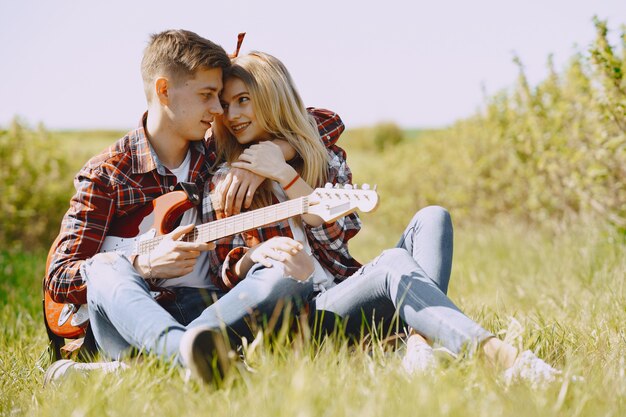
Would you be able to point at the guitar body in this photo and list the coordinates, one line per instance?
(160, 214)
(157, 217)
(54, 316)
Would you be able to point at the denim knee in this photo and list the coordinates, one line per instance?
(393, 255)
(106, 273)
(273, 280)
(434, 215)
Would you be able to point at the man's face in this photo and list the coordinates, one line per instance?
(239, 117)
(193, 103)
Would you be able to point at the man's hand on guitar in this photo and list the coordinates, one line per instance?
(172, 258)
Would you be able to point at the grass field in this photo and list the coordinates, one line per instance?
(566, 291)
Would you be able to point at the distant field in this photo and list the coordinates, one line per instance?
(81, 145)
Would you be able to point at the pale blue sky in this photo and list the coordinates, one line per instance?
(74, 64)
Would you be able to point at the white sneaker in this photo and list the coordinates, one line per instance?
(205, 353)
(419, 357)
(528, 367)
(64, 367)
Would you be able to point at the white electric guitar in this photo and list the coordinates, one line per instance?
(143, 231)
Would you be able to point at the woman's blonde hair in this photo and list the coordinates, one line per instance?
(280, 112)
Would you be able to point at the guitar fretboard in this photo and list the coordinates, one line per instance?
(229, 226)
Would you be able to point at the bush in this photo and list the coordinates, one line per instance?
(387, 135)
(381, 137)
(35, 185)
(551, 153)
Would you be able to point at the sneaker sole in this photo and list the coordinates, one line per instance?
(205, 353)
(57, 370)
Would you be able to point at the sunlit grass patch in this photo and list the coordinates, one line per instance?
(561, 296)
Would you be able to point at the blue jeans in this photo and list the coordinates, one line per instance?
(259, 296)
(429, 238)
(123, 315)
(409, 281)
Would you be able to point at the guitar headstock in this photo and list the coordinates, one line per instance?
(331, 203)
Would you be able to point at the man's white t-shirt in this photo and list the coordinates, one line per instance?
(199, 277)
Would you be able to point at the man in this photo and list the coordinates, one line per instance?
(182, 75)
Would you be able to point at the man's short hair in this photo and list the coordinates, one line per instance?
(179, 54)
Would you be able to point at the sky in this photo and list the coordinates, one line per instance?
(75, 64)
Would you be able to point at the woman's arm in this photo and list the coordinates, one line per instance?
(329, 241)
(266, 159)
(238, 188)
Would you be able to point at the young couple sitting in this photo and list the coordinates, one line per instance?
(266, 148)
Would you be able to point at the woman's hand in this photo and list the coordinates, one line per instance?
(298, 263)
(267, 160)
(277, 248)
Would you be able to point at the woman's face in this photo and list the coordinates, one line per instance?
(239, 117)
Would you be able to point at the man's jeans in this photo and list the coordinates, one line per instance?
(123, 314)
(411, 281)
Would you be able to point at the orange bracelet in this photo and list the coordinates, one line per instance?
(292, 182)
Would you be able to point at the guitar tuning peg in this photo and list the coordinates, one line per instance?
(375, 187)
(328, 185)
(347, 186)
(355, 186)
(338, 186)
(365, 187)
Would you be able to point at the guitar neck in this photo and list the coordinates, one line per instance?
(229, 226)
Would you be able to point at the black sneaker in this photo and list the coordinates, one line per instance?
(205, 353)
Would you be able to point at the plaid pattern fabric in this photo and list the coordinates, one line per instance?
(328, 241)
(109, 188)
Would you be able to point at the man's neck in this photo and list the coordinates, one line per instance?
(170, 148)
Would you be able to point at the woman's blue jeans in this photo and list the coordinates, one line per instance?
(409, 281)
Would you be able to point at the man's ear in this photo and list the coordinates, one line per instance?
(161, 86)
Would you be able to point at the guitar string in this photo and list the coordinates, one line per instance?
(224, 227)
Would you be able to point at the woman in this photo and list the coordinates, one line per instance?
(261, 103)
